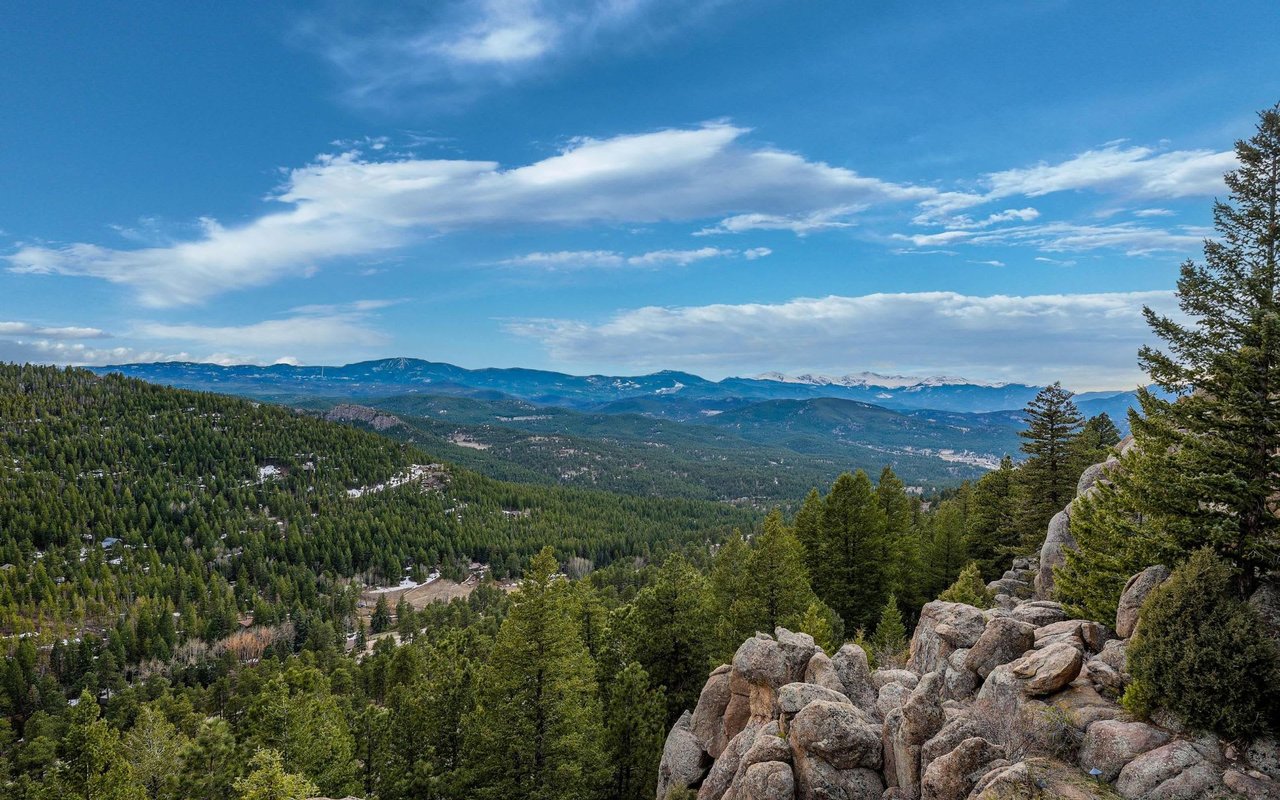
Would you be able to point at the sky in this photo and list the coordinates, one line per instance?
(992, 190)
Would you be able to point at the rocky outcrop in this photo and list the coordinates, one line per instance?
(1014, 701)
(1135, 591)
(953, 775)
(943, 628)
(683, 760)
(1111, 744)
(1003, 640)
(1180, 770)
(1053, 553)
(1046, 671)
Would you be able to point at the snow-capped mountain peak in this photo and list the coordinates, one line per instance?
(874, 379)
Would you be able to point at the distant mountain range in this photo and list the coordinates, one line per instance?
(670, 394)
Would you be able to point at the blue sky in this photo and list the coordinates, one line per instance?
(991, 189)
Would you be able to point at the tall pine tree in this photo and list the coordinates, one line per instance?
(853, 575)
(1048, 477)
(1206, 467)
(535, 731)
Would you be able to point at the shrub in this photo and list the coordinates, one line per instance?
(1201, 653)
(969, 589)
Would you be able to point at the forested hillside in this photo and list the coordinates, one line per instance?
(210, 637)
(118, 494)
(765, 454)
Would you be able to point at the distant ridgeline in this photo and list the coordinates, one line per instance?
(189, 510)
(754, 441)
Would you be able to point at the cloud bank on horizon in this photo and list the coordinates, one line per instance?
(732, 246)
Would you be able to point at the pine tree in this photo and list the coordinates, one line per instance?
(1205, 468)
(890, 638)
(904, 544)
(1225, 364)
(270, 781)
(729, 597)
(381, 619)
(1048, 476)
(154, 747)
(668, 629)
(635, 716)
(808, 528)
(946, 549)
(992, 533)
(968, 589)
(208, 762)
(536, 731)
(778, 581)
(853, 575)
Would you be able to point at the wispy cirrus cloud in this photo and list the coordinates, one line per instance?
(305, 333)
(359, 204)
(1087, 340)
(352, 205)
(453, 50)
(11, 328)
(610, 259)
(1064, 237)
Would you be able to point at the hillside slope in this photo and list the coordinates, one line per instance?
(116, 494)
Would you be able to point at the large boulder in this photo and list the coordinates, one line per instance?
(707, 722)
(1092, 475)
(837, 752)
(1266, 600)
(768, 780)
(1002, 692)
(901, 758)
(1264, 755)
(1039, 613)
(725, 768)
(1053, 553)
(855, 675)
(953, 776)
(1135, 592)
(1251, 785)
(948, 739)
(822, 671)
(683, 761)
(794, 697)
(761, 660)
(1110, 744)
(797, 650)
(1180, 770)
(838, 733)
(768, 747)
(922, 714)
(1003, 640)
(881, 677)
(892, 695)
(1046, 671)
(943, 628)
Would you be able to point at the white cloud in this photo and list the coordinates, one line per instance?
(1130, 171)
(610, 259)
(60, 351)
(1153, 212)
(345, 205)
(51, 331)
(448, 50)
(989, 263)
(1059, 237)
(799, 224)
(1087, 340)
(315, 330)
